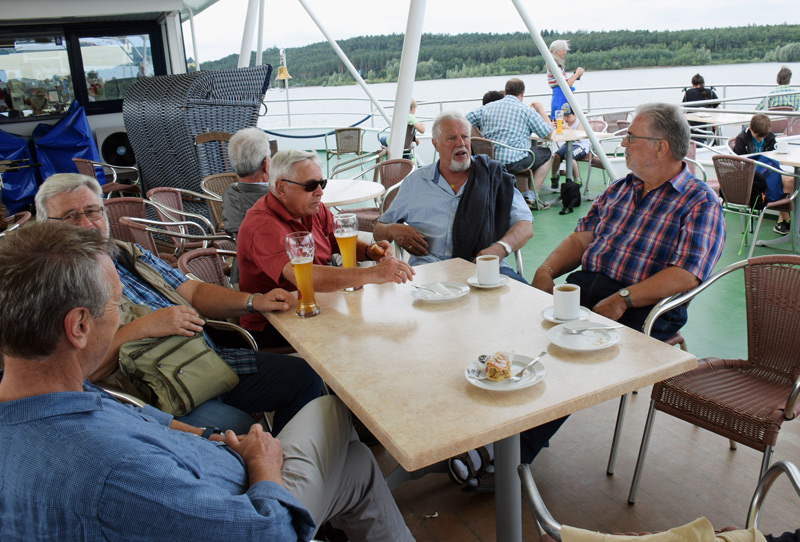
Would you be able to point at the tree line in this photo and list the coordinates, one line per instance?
(444, 56)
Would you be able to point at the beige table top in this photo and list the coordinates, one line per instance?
(346, 191)
(719, 118)
(398, 363)
(791, 158)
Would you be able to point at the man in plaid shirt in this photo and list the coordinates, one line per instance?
(654, 233)
(784, 78)
(510, 122)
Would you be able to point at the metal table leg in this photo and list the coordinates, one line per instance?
(507, 491)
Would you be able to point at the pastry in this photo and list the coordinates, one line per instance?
(498, 367)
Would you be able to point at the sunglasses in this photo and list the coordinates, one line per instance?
(309, 186)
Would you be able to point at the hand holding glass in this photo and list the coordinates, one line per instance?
(345, 229)
(300, 249)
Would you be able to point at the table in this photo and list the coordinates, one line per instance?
(720, 118)
(398, 364)
(345, 191)
(792, 158)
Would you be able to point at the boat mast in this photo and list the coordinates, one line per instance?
(556, 71)
(247, 35)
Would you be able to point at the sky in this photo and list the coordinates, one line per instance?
(219, 28)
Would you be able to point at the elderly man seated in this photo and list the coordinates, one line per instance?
(248, 151)
(458, 207)
(159, 301)
(294, 205)
(78, 465)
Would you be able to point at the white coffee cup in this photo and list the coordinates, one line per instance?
(566, 302)
(488, 270)
(781, 146)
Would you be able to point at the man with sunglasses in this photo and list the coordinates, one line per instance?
(656, 232)
(294, 204)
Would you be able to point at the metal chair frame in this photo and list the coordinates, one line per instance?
(89, 167)
(179, 237)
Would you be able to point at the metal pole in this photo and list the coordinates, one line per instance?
(194, 41)
(247, 35)
(260, 40)
(556, 71)
(405, 78)
(346, 62)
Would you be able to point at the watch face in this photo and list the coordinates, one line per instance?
(624, 292)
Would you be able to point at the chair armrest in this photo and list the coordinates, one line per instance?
(122, 397)
(540, 512)
(699, 165)
(764, 485)
(227, 328)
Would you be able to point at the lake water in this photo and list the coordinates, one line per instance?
(466, 93)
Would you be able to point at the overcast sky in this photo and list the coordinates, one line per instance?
(219, 28)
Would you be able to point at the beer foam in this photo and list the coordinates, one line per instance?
(301, 260)
(345, 235)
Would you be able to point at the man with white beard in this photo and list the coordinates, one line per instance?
(458, 207)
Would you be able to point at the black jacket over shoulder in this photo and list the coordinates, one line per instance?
(744, 143)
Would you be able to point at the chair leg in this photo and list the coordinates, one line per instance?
(755, 235)
(612, 456)
(732, 444)
(588, 178)
(765, 461)
(637, 474)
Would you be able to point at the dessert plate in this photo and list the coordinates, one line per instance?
(474, 371)
(440, 292)
(589, 340)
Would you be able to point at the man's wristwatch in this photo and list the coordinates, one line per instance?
(626, 295)
(505, 246)
(249, 304)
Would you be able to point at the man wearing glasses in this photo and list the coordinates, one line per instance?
(294, 204)
(656, 232)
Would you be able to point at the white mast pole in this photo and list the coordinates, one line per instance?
(556, 71)
(194, 40)
(405, 78)
(247, 35)
(260, 39)
(347, 63)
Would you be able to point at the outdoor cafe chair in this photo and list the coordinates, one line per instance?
(390, 174)
(213, 186)
(212, 151)
(207, 265)
(89, 167)
(778, 125)
(743, 400)
(552, 528)
(349, 141)
(179, 233)
(481, 145)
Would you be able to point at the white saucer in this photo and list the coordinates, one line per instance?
(593, 339)
(530, 377)
(547, 314)
(457, 289)
(473, 281)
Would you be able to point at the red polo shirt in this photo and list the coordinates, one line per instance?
(261, 252)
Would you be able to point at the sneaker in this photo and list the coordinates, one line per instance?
(783, 227)
(554, 183)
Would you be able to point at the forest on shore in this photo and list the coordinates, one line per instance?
(444, 56)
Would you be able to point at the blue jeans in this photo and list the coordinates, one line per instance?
(509, 272)
(283, 384)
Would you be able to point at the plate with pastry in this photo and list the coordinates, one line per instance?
(494, 373)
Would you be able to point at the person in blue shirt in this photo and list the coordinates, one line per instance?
(79, 466)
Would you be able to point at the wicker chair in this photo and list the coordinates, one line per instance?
(119, 207)
(793, 126)
(552, 528)
(213, 186)
(591, 158)
(778, 125)
(735, 175)
(744, 400)
(391, 174)
(206, 264)
(481, 145)
(212, 151)
(88, 167)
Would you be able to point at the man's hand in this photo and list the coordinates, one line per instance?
(611, 307)
(376, 248)
(274, 300)
(579, 72)
(493, 250)
(408, 238)
(261, 452)
(176, 320)
(392, 270)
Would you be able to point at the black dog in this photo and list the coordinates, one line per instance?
(570, 196)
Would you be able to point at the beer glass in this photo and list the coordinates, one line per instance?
(559, 121)
(345, 229)
(300, 249)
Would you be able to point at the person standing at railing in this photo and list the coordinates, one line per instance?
(559, 50)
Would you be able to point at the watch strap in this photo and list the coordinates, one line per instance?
(249, 304)
(506, 246)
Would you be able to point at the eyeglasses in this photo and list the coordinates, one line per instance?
(631, 137)
(309, 186)
(94, 214)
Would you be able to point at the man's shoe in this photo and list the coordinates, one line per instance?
(783, 227)
(554, 183)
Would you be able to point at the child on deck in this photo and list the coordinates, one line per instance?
(579, 149)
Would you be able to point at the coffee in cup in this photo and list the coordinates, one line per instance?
(566, 302)
(488, 270)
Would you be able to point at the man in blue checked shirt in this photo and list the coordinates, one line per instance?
(656, 232)
(511, 122)
(77, 465)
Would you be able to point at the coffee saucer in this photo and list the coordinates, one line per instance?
(473, 281)
(547, 314)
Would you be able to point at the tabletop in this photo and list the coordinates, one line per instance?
(346, 191)
(398, 363)
(720, 118)
(791, 158)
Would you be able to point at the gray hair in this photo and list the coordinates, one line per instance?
(283, 164)
(62, 183)
(447, 115)
(559, 45)
(46, 270)
(669, 122)
(247, 150)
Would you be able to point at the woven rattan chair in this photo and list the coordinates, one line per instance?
(778, 125)
(593, 162)
(88, 167)
(206, 264)
(744, 400)
(390, 174)
(793, 127)
(212, 151)
(735, 175)
(213, 186)
(481, 145)
(119, 207)
(552, 528)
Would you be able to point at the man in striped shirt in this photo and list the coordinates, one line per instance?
(654, 233)
(793, 100)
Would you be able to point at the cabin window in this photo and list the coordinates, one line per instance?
(112, 64)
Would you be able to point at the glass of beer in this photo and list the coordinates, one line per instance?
(300, 249)
(345, 229)
(559, 121)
